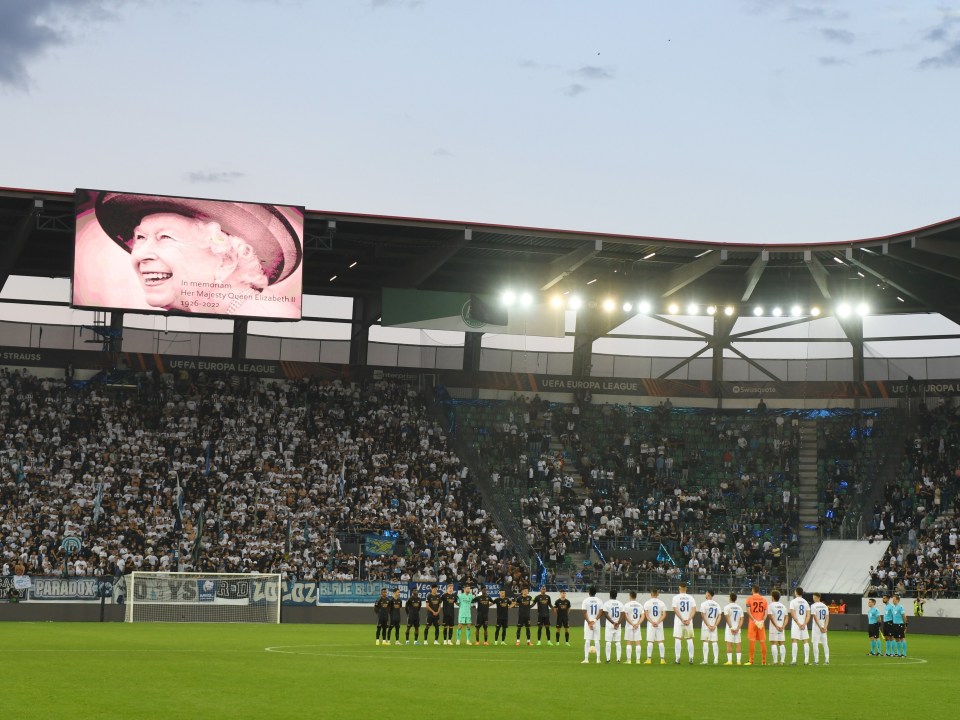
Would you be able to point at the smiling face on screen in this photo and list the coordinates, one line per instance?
(169, 252)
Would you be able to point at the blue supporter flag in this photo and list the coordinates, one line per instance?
(377, 545)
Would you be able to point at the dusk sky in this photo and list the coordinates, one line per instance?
(740, 121)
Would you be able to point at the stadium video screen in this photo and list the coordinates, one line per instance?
(186, 256)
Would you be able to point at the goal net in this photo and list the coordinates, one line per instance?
(203, 597)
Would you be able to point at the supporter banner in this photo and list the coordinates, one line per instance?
(22, 582)
(356, 592)
(299, 592)
(377, 545)
(368, 592)
(73, 588)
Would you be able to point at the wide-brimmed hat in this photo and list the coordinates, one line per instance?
(265, 228)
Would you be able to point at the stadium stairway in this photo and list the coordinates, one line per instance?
(808, 493)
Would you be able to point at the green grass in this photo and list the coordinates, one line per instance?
(112, 670)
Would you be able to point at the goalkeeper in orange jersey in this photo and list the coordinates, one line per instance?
(756, 630)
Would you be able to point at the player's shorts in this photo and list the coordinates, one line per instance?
(591, 633)
(433, 620)
(873, 630)
(395, 620)
(885, 628)
(413, 621)
(383, 621)
(655, 633)
(481, 622)
(563, 621)
(464, 620)
(797, 633)
(731, 636)
(683, 632)
(449, 620)
(756, 633)
(543, 621)
(523, 622)
(503, 622)
(611, 633)
(777, 635)
(817, 635)
(898, 631)
(708, 635)
(632, 634)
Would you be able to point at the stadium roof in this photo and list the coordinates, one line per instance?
(905, 272)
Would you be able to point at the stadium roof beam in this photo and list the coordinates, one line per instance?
(754, 363)
(18, 238)
(754, 272)
(819, 273)
(685, 361)
(416, 272)
(682, 276)
(940, 264)
(565, 265)
(786, 323)
(884, 271)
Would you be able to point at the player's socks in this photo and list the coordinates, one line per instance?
(619, 650)
(676, 649)
(690, 649)
(806, 652)
(889, 647)
(586, 650)
(738, 658)
(663, 651)
(629, 654)
(903, 645)
(468, 636)
(826, 651)
(816, 653)
(706, 652)
(794, 655)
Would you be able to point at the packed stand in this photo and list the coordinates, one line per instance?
(920, 510)
(279, 475)
(716, 490)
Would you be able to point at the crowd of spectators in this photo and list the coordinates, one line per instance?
(920, 510)
(232, 474)
(716, 490)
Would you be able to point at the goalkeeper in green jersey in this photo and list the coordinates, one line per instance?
(464, 601)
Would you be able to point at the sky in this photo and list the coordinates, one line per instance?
(774, 121)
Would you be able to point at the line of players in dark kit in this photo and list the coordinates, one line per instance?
(450, 610)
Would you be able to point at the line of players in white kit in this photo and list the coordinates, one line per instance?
(807, 621)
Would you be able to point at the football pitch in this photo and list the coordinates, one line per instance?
(113, 670)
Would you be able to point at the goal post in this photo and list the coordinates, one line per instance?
(203, 597)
